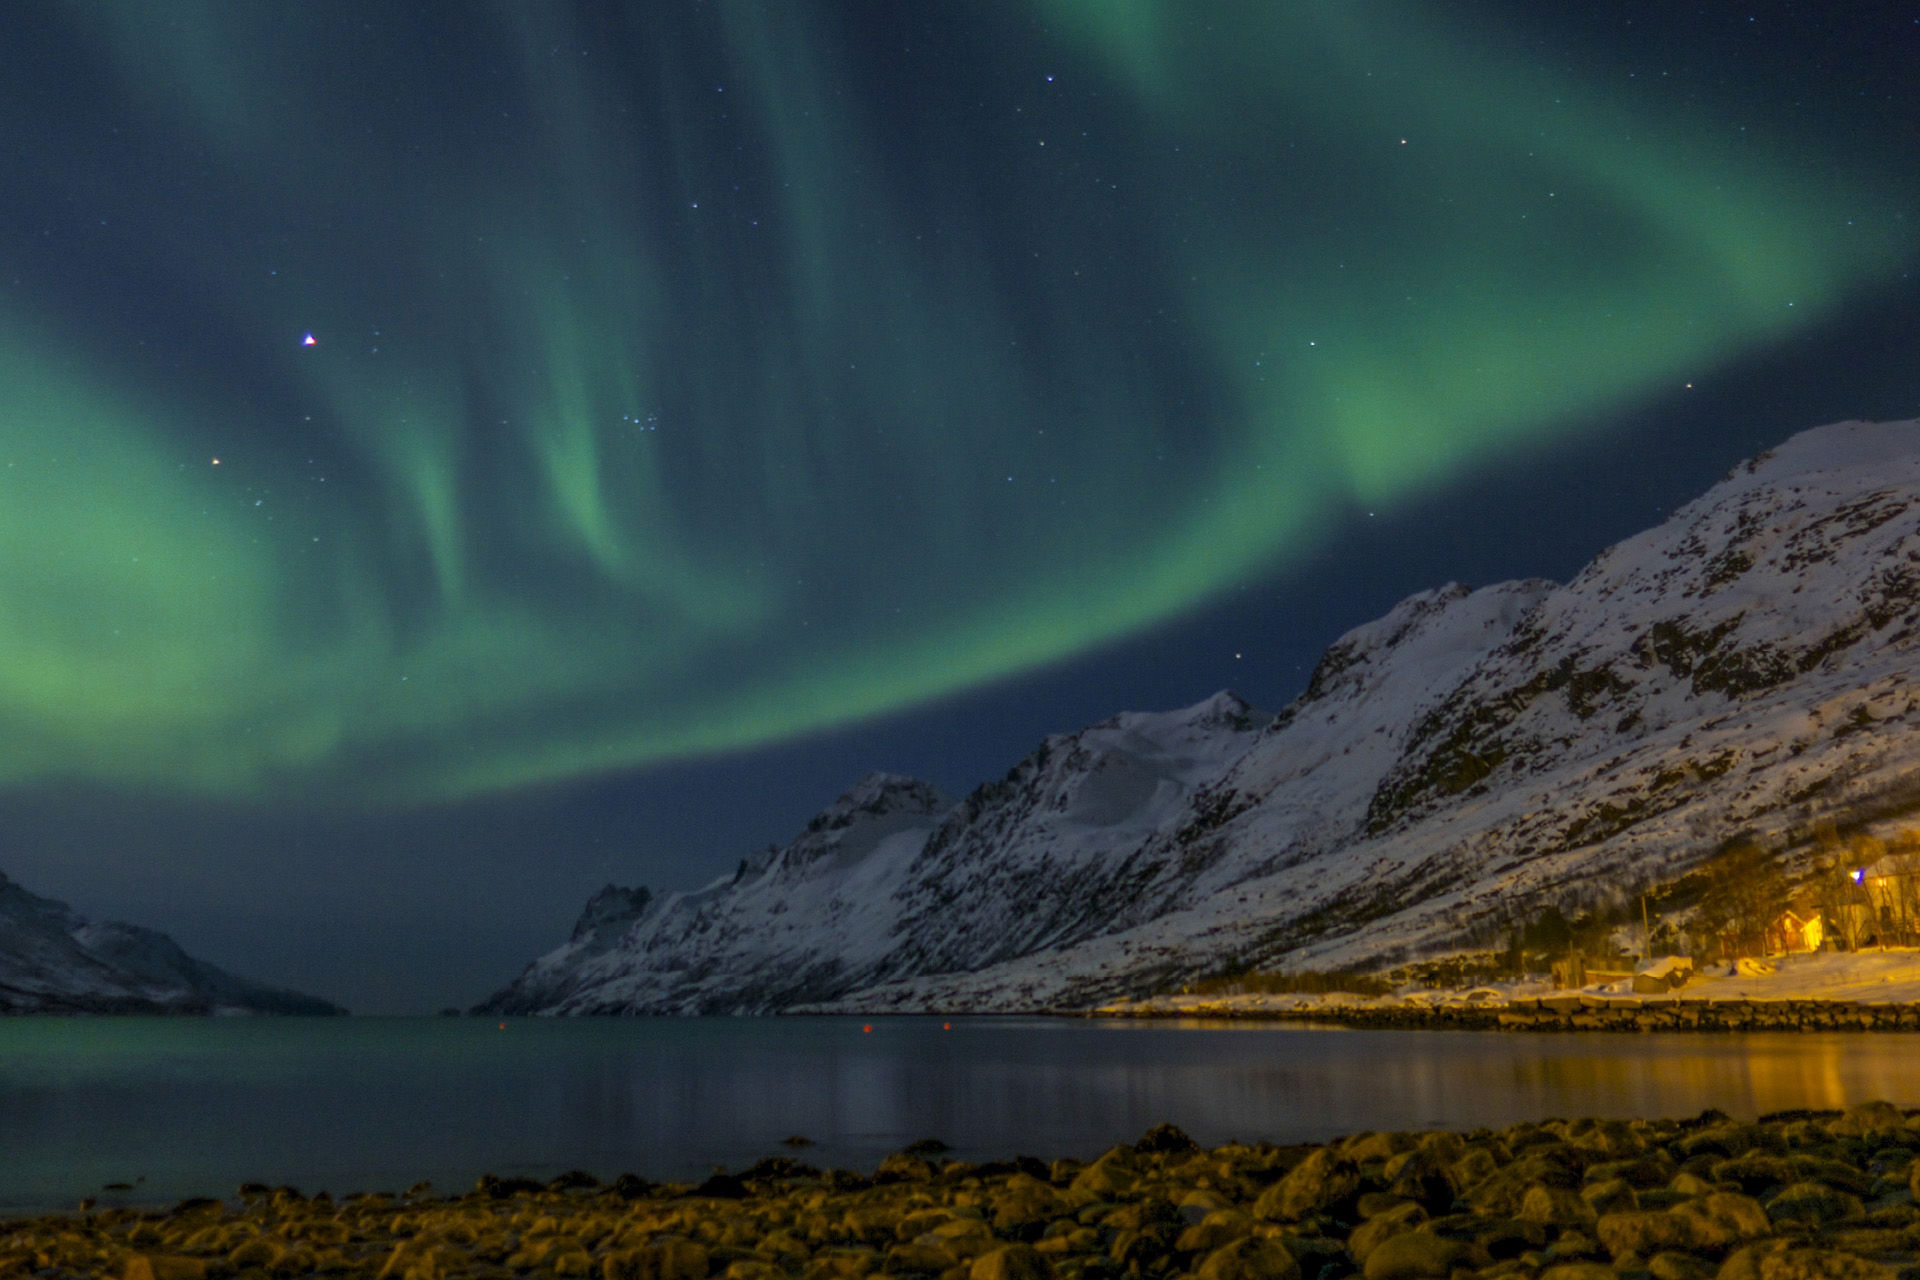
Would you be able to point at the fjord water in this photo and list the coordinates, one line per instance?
(182, 1107)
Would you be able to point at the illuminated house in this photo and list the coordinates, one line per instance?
(1889, 906)
(1798, 928)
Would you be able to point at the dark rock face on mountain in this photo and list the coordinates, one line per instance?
(1747, 666)
(53, 961)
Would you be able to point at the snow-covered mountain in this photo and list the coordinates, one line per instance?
(53, 961)
(1747, 666)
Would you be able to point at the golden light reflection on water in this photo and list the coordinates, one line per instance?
(1410, 1079)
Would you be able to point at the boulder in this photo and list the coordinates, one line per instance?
(668, 1258)
(1249, 1258)
(1417, 1255)
(1755, 1173)
(1870, 1120)
(1219, 1228)
(1381, 1227)
(1556, 1207)
(161, 1266)
(1611, 1195)
(1111, 1175)
(1814, 1202)
(1821, 1264)
(1010, 1262)
(1679, 1266)
(1722, 1219)
(1644, 1232)
(1316, 1184)
(916, 1258)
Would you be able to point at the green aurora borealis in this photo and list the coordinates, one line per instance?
(693, 379)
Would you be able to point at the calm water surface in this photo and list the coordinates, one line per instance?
(195, 1107)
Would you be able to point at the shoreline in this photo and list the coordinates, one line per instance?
(1803, 1195)
(1566, 1012)
(1875, 990)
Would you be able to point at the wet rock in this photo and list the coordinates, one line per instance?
(1417, 1255)
(1577, 1245)
(1321, 1181)
(922, 1259)
(1471, 1168)
(495, 1188)
(1363, 1147)
(1870, 1120)
(1690, 1184)
(1843, 1173)
(1722, 1219)
(1869, 1241)
(906, 1166)
(664, 1259)
(1023, 1201)
(1219, 1228)
(1679, 1266)
(1372, 1203)
(1814, 1202)
(1249, 1258)
(1644, 1232)
(629, 1186)
(1821, 1264)
(1610, 1196)
(1111, 1175)
(1010, 1262)
(1756, 1174)
(1381, 1227)
(1744, 1263)
(1420, 1175)
(1198, 1203)
(1578, 1271)
(1555, 1206)
(1642, 1174)
(723, 1186)
(1164, 1139)
(1504, 1238)
(1148, 1211)
(160, 1266)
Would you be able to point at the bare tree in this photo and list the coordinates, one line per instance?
(1744, 894)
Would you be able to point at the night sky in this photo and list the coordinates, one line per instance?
(456, 454)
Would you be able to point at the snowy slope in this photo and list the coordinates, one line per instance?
(1747, 665)
(53, 961)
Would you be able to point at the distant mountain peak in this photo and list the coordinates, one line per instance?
(55, 961)
(878, 795)
(608, 912)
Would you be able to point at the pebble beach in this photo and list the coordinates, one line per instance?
(1797, 1196)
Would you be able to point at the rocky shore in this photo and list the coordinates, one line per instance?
(1570, 1012)
(1797, 1196)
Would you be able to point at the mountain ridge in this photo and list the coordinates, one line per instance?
(1747, 665)
(53, 960)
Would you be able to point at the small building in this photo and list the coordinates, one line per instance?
(1890, 896)
(1668, 973)
(1799, 928)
